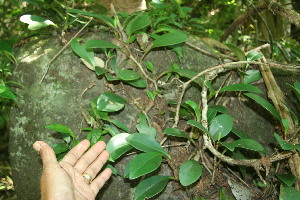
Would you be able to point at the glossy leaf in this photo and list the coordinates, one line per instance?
(60, 148)
(195, 107)
(237, 51)
(190, 171)
(145, 143)
(211, 114)
(143, 126)
(169, 39)
(175, 132)
(254, 55)
(120, 125)
(245, 144)
(240, 134)
(150, 66)
(118, 145)
(288, 179)
(82, 52)
(60, 128)
(103, 18)
(265, 104)
(137, 23)
(150, 187)
(6, 93)
(94, 135)
(100, 44)
(109, 102)
(288, 193)
(35, 22)
(284, 144)
(197, 125)
(99, 71)
(139, 83)
(220, 126)
(241, 87)
(144, 163)
(252, 76)
(128, 75)
(219, 108)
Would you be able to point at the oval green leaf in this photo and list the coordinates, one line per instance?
(220, 126)
(195, 107)
(82, 52)
(254, 55)
(169, 39)
(118, 145)
(252, 76)
(175, 132)
(109, 102)
(145, 143)
(60, 148)
(99, 44)
(60, 128)
(150, 187)
(237, 51)
(284, 144)
(197, 125)
(139, 83)
(128, 75)
(242, 87)
(249, 144)
(190, 171)
(137, 23)
(144, 163)
(264, 104)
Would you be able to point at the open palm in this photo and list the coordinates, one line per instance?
(65, 180)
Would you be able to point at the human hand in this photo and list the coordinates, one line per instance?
(68, 178)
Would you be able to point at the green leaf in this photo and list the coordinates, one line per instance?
(197, 125)
(137, 23)
(265, 104)
(288, 193)
(150, 66)
(252, 76)
(288, 179)
(190, 171)
(187, 73)
(211, 114)
(128, 75)
(109, 102)
(296, 89)
(219, 108)
(245, 144)
(82, 52)
(6, 93)
(241, 87)
(111, 130)
(103, 18)
(35, 22)
(94, 136)
(175, 132)
(100, 71)
(139, 83)
(254, 55)
(150, 187)
(120, 125)
(143, 126)
(286, 124)
(144, 163)
(294, 116)
(284, 145)
(150, 95)
(61, 128)
(100, 44)
(145, 143)
(118, 145)
(60, 148)
(169, 39)
(237, 51)
(195, 108)
(240, 134)
(220, 126)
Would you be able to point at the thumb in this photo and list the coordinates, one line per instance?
(46, 152)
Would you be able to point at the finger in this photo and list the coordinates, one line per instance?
(46, 152)
(99, 181)
(95, 167)
(73, 156)
(89, 157)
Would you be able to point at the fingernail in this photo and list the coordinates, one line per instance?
(37, 146)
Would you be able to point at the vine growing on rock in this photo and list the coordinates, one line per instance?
(124, 62)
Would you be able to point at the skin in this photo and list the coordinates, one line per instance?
(64, 180)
